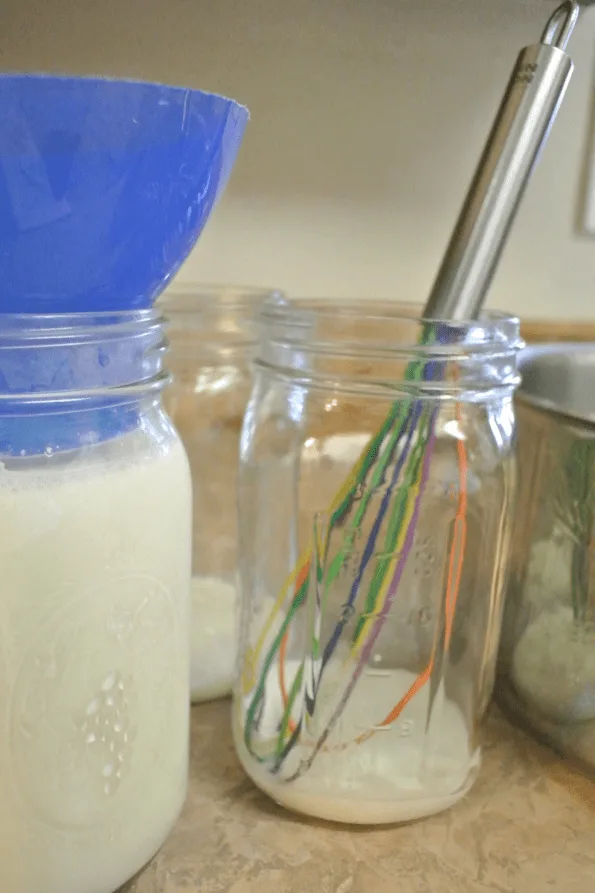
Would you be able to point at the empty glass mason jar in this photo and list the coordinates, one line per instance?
(212, 339)
(95, 536)
(375, 494)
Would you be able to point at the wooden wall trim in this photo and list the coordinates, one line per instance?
(534, 330)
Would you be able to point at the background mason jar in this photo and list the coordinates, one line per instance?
(212, 336)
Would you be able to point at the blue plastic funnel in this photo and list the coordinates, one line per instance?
(105, 187)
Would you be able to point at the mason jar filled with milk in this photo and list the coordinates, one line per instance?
(95, 548)
(212, 335)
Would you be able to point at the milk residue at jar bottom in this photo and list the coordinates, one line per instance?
(411, 771)
(95, 564)
(213, 638)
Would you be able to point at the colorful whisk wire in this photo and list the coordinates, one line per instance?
(407, 445)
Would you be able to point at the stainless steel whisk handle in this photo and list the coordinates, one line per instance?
(530, 104)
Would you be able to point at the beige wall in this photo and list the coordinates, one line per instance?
(368, 116)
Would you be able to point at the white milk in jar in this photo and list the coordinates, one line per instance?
(95, 543)
(425, 767)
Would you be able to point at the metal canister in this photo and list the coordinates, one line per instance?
(546, 674)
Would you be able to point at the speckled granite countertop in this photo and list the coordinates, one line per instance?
(528, 826)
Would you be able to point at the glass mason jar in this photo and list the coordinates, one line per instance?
(212, 337)
(95, 537)
(375, 495)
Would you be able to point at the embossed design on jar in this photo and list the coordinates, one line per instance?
(570, 467)
(424, 556)
(107, 730)
(93, 700)
(574, 511)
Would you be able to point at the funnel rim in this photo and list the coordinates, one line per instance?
(107, 79)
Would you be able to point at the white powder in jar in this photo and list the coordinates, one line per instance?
(553, 667)
(213, 638)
